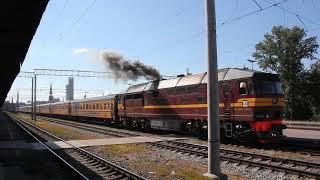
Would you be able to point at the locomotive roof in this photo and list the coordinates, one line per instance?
(201, 78)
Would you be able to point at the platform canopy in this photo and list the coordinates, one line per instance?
(19, 22)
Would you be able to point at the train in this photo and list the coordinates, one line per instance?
(251, 105)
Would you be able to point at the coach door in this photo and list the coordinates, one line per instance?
(227, 97)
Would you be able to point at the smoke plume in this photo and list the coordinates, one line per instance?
(128, 70)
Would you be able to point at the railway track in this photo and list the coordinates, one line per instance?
(93, 128)
(100, 166)
(288, 145)
(290, 166)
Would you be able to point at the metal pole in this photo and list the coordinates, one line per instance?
(35, 97)
(212, 93)
(32, 98)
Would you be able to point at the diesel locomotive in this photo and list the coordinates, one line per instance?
(251, 105)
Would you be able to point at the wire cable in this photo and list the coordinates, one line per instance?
(84, 12)
(296, 15)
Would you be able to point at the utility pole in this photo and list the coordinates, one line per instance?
(17, 102)
(252, 61)
(35, 97)
(32, 117)
(212, 94)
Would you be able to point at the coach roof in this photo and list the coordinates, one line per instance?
(108, 97)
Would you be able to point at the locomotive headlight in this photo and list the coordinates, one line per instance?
(267, 116)
(239, 126)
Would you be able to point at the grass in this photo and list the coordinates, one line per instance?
(164, 170)
(57, 130)
(26, 117)
(190, 173)
(63, 132)
(125, 149)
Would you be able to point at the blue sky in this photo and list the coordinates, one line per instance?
(167, 34)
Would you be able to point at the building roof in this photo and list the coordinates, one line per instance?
(19, 22)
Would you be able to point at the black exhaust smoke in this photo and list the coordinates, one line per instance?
(128, 70)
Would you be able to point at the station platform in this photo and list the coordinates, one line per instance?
(303, 134)
(20, 160)
(101, 142)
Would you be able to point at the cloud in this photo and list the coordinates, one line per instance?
(80, 51)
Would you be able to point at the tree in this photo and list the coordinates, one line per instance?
(312, 88)
(282, 51)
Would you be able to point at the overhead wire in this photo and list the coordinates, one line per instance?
(84, 12)
(254, 12)
(257, 4)
(236, 10)
(299, 17)
(55, 21)
(228, 21)
(300, 7)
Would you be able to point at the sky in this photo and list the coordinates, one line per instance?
(168, 35)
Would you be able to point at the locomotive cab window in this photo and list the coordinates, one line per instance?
(226, 90)
(243, 88)
(155, 93)
(127, 97)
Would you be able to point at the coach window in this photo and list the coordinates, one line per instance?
(243, 88)
(108, 106)
(105, 106)
(137, 96)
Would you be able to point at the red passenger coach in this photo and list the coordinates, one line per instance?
(250, 104)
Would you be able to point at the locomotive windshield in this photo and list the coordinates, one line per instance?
(269, 88)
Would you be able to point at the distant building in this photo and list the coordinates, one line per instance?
(70, 89)
(51, 98)
(50, 94)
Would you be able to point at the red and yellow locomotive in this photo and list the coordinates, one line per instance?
(250, 105)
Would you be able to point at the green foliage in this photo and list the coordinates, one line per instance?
(311, 87)
(282, 51)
